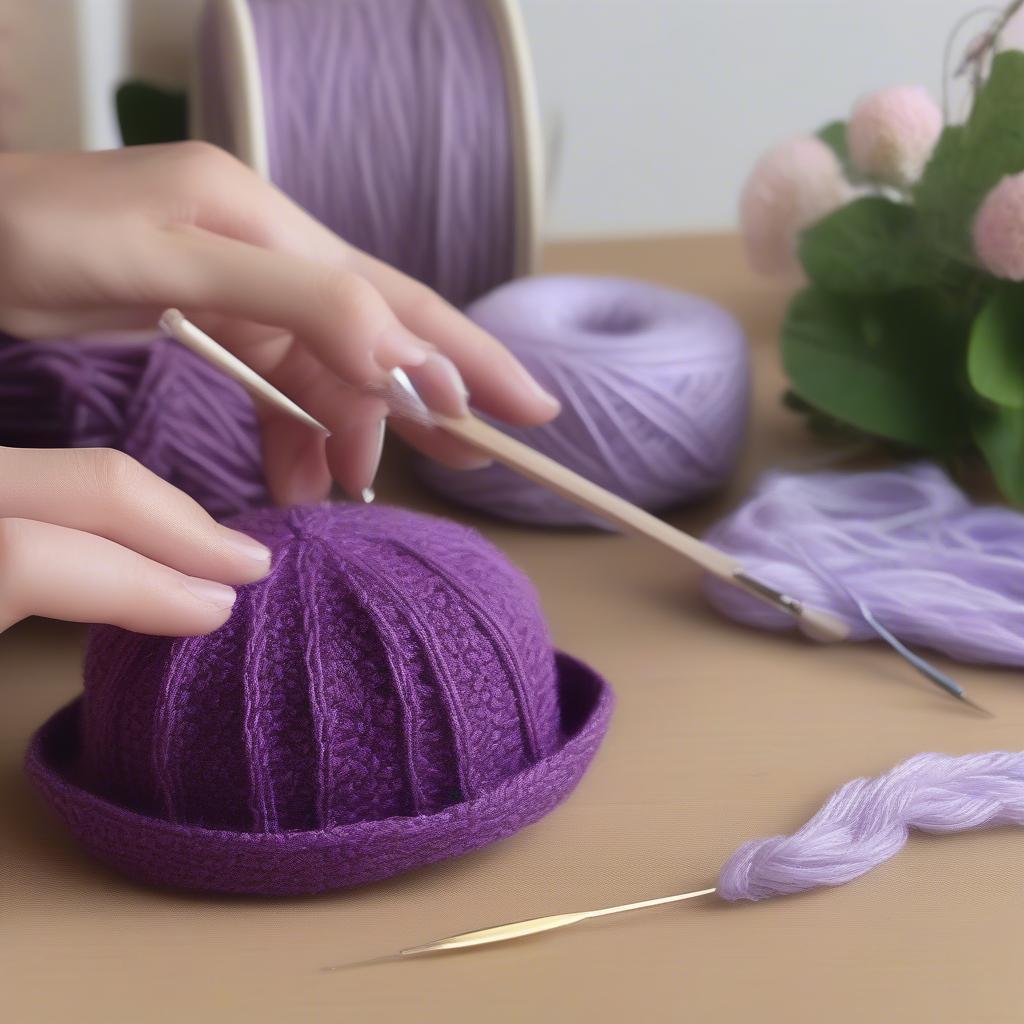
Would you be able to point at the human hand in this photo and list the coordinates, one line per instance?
(89, 535)
(92, 241)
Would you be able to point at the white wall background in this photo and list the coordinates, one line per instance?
(660, 106)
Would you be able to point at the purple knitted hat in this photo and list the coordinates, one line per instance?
(386, 698)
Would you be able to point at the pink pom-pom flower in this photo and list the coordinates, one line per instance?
(891, 134)
(999, 229)
(791, 187)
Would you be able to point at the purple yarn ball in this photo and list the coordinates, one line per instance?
(387, 697)
(654, 386)
(160, 403)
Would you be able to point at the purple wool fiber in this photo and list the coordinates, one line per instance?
(166, 407)
(389, 121)
(387, 697)
(654, 386)
(933, 568)
(868, 821)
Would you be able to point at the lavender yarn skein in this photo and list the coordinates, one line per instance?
(932, 567)
(166, 407)
(868, 821)
(654, 386)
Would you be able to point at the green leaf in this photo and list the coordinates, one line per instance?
(887, 366)
(872, 245)
(833, 135)
(148, 114)
(995, 353)
(970, 158)
(999, 433)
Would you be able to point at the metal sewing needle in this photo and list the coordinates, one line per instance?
(929, 671)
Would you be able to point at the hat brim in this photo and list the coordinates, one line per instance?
(164, 853)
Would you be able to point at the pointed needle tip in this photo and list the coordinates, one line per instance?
(977, 707)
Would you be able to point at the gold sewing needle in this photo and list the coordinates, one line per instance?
(536, 925)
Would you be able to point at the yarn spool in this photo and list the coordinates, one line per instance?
(176, 414)
(387, 697)
(654, 386)
(410, 128)
(932, 567)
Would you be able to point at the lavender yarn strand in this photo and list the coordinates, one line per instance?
(389, 121)
(868, 821)
(934, 569)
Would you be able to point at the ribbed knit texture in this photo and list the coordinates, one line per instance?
(386, 697)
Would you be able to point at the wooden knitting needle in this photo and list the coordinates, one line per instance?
(404, 401)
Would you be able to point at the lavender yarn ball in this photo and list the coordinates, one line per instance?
(932, 567)
(387, 697)
(176, 414)
(868, 821)
(654, 386)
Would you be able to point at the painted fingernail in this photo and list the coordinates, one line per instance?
(398, 346)
(216, 594)
(440, 385)
(246, 545)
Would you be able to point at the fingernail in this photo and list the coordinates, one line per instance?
(398, 346)
(440, 385)
(246, 545)
(367, 494)
(534, 387)
(216, 594)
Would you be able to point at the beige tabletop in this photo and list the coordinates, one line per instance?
(721, 735)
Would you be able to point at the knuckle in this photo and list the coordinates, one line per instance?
(346, 292)
(108, 473)
(196, 162)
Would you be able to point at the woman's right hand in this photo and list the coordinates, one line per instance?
(94, 241)
(90, 535)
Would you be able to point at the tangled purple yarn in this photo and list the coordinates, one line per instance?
(868, 821)
(932, 567)
(157, 401)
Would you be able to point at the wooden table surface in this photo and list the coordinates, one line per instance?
(721, 735)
